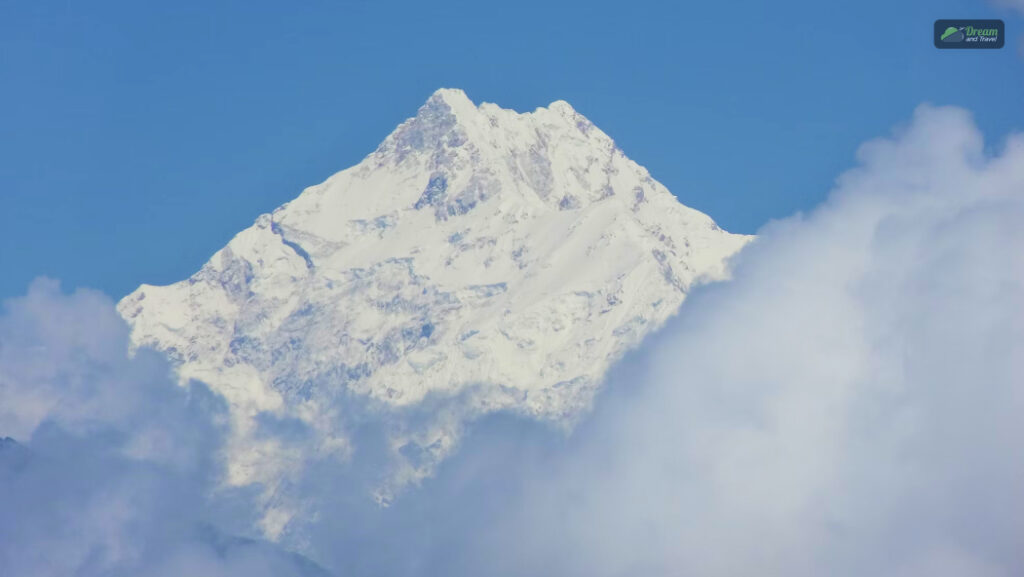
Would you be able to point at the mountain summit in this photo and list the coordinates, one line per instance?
(479, 260)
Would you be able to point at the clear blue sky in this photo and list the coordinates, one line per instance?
(137, 137)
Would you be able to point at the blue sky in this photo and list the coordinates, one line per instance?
(137, 139)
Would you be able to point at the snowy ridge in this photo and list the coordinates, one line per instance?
(479, 259)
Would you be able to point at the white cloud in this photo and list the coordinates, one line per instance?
(113, 463)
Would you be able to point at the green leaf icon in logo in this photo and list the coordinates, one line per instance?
(952, 34)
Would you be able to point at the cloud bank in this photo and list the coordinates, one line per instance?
(112, 467)
(848, 404)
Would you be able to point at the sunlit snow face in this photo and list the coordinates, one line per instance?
(480, 260)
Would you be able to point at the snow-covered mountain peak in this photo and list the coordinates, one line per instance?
(479, 260)
(552, 156)
(455, 98)
(455, 104)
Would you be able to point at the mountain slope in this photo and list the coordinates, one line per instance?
(479, 260)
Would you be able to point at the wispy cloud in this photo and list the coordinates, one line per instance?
(113, 464)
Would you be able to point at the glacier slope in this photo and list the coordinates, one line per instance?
(479, 260)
